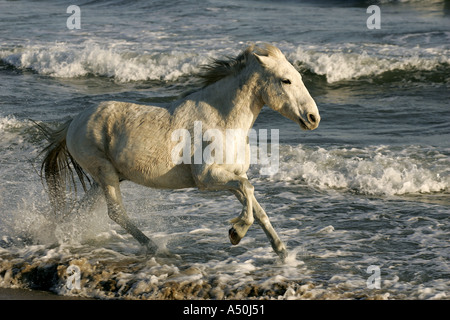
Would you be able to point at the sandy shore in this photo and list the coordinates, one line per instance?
(26, 294)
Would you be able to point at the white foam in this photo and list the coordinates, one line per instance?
(348, 61)
(200, 231)
(9, 123)
(327, 229)
(372, 170)
(343, 62)
(65, 61)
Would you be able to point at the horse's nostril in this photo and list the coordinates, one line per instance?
(312, 118)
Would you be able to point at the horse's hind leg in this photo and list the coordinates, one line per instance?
(109, 182)
(117, 213)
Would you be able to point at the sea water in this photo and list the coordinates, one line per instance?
(362, 202)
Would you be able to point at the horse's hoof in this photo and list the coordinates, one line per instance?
(283, 254)
(234, 237)
(150, 249)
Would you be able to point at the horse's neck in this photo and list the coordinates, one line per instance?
(236, 99)
(247, 102)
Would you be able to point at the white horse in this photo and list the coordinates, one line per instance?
(117, 141)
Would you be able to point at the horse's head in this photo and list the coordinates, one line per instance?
(283, 89)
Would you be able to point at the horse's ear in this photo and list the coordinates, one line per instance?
(263, 60)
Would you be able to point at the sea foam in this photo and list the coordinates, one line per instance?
(336, 63)
(348, 62)
(63, 61)
(377, 170)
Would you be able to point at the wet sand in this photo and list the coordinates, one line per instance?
(27, 294)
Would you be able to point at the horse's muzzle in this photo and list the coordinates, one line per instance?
(311, 123)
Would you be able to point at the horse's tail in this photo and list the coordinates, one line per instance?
(58, 166)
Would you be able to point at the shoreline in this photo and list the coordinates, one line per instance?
(29, 294)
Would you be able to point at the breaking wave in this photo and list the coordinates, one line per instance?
(63, 61)
(386, 61)
(348, 62)
(377, 170)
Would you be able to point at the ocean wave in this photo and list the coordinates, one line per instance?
(350, 62)
(347, 62)
(378, 170)
(63, 61)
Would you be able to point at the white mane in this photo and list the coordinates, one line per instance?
(218, 69)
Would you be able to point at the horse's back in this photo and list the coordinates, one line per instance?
(110, 123)
(134, 138)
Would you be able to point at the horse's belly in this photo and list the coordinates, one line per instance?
(160, 176)
(179, 177)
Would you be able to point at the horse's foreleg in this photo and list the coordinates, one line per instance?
(243, 189)
(242, 223)
(263, 220)
(215, 178)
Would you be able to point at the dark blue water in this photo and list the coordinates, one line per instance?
(369, 187)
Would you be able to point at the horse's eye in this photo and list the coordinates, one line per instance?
(286, 81)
